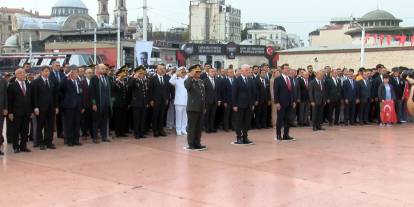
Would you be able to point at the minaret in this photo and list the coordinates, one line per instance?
(103, 14)
(120, 10)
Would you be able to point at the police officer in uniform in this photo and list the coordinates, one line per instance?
(195, 108)
(120, 104)
(138, 93)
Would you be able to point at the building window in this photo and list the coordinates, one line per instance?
(10, 18)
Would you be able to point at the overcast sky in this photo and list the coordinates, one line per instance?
(297, 16)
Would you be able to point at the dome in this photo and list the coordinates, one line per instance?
(70, 4)
(11, 41)
(378, 15)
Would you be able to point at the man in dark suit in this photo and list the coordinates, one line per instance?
(304, 105)
(72, 107)
(56, 77)
(86, 117)
(349, 89)
(376, 83)
(159, 95)
(195, 107)
(398, 85)
(284, 100)
(317, 99)
(3, 108)
(263, 101)
(138, 95)
(364, 98)
(226, 93)
(45, 106)
(244, 99)
(212, 86)
(333, 97)
(20, 110)
(296, 96)
(100, 92)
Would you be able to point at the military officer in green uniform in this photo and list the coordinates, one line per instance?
(120, 104)
(195, 108)
(138, 93)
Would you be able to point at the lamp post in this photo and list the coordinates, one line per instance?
(362, 41)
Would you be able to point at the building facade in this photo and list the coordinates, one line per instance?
(212, 21)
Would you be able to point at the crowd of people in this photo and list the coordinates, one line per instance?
(96, 101)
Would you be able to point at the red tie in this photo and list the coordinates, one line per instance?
(23, 88)
(289, 85)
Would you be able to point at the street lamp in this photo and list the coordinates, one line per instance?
(354, 21)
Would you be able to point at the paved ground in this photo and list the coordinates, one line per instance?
(355, 166)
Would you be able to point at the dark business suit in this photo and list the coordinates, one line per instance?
(304, 105)
(227, 99)
(317, 96)
(56, 78)
(333, 95)
(376, 82)
(213, 94)
(244, 97)
(100, 92)
(195, 110)
(350, 91)
(398, 85)
(72, 105)
(45, 100)
(3, 106)
(86, 117)
(263, 99)
(283, 96)
(364, 96)
(19, 104)
(159, 93)
(138, 93)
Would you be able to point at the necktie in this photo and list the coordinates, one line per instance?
(306, 83)
(231, 81)
(320, 85)
(47, 83)
(23, 87)
(162, 81)
(212, 82)
(352, 84)
(289, 85)
(245, 80)
(263, 82)
(58, 76)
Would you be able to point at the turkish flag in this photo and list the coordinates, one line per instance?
(412, 40)
(406, 90)
(375, 39)
(403, 38)
(367, 36)
(389, 37)
(381, 38)
(388, 114)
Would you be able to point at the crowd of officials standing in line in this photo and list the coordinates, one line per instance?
(95, 101)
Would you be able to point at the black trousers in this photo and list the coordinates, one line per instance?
(59, 124)
(349, 113)
(283, 121)
(139, 120)
(261, 116)
(242, 122)
(210, 117)
(228, 118)
(363, 112)
(86, 121)
(45, 123)
(195, 126)
(304, 111)
(317, 115)
(334, 106)
(158, 117)
(1, 130)
(71, 125)
(100, 122)
(120, 120)
(19, 131)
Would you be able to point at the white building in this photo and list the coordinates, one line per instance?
(212, 21)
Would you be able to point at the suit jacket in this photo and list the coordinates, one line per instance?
(263, 91)
(213, 93)
(398, 87)
(55, 79)
(296, 89)
(3, 94)
(71, 99)
(87, 101)
(196, 95)
(99, 93)
(138, 92)
(316, 93)
(159, 93)
(119, 95)
(333, 92)
(44, 97)
(226, 91)
(19, 104)
(382, 91)
(244, 94)
(364, 91)
(377, 81)
(304, 90)
(349, 91)
(282, 95)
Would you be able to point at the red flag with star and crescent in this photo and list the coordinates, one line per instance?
(388, 114)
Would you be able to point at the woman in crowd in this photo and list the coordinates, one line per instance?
(386, 92)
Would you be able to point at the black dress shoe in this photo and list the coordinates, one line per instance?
(51, 146)
(201, 146)
(163, 134)
(156, 135)
(279, 137)
(42, 147)
(106, 140)
(142, 136)
(25, 150)
(247, 141)
(16, 150)
(77, 144)
(288, 138)
(70, 145)
(1, 153)
(36, 145)
(95, 141)
(320, 128)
